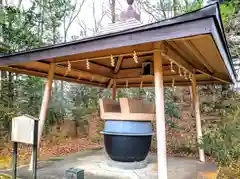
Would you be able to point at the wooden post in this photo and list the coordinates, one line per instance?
(160, 116)
(197, 116)
(44, 107)
(114, 90)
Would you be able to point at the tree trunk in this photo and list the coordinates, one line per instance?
(62, 112)
(113, 6)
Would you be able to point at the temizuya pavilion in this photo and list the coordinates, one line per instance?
(187, 50)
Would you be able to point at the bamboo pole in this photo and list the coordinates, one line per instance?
(197, 116)
(160, 116)
(44, 107)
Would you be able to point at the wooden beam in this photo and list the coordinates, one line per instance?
(191, 47)
(23, 71)
(114, 90)
(63, 69)
(118, 65)
(160, 113)
(184, 54)
(131, 116)
(80, 81)
(44, 75)
(135, 72)
(106, 57)
(128, 73)
(110, 83)
(44, 107)
(116, 70)
(165, 77)
(192, 37)
(86, 74)
(177, 83)
(141, 78)
(197, 116)
(100, 65)
(215, 76)
(171, 54)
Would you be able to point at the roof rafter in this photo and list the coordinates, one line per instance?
(188, 44)
(170, 51)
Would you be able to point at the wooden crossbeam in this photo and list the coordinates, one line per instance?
(99, 65)
(85, 73)
(42, 74)
(134, 72)
(110, 83)
(106, 56)
(175, 57)
(177, 83)
(118, 65)
(116, 70)
(151, 77)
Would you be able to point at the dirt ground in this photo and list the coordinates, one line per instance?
(50, 148)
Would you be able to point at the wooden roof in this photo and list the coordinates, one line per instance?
(194, 41)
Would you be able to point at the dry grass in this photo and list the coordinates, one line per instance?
(230, 172)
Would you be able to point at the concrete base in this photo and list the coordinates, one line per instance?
(95, 166)
(178, 168)
(127, 165)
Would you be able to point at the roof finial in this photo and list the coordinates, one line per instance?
(130, 12)
(130, 2)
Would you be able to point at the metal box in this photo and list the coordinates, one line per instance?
(23, 128)
(74, 173)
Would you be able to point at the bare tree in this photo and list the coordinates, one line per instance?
(97, 18)
(69, 18)
(113, 7)
(163, 9)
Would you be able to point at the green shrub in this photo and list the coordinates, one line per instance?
(222, 140)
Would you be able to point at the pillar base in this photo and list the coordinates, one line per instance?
(127, 165)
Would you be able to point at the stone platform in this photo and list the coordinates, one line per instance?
(95, 166)
(178, 168)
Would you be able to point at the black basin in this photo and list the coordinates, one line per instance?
(127, 148)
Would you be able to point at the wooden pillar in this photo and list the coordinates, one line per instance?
(197, 116)
(44, 106)
(160, 116)
(114, 90)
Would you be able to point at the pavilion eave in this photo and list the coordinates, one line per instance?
(201, 49)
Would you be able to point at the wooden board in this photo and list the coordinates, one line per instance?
(130, 117)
